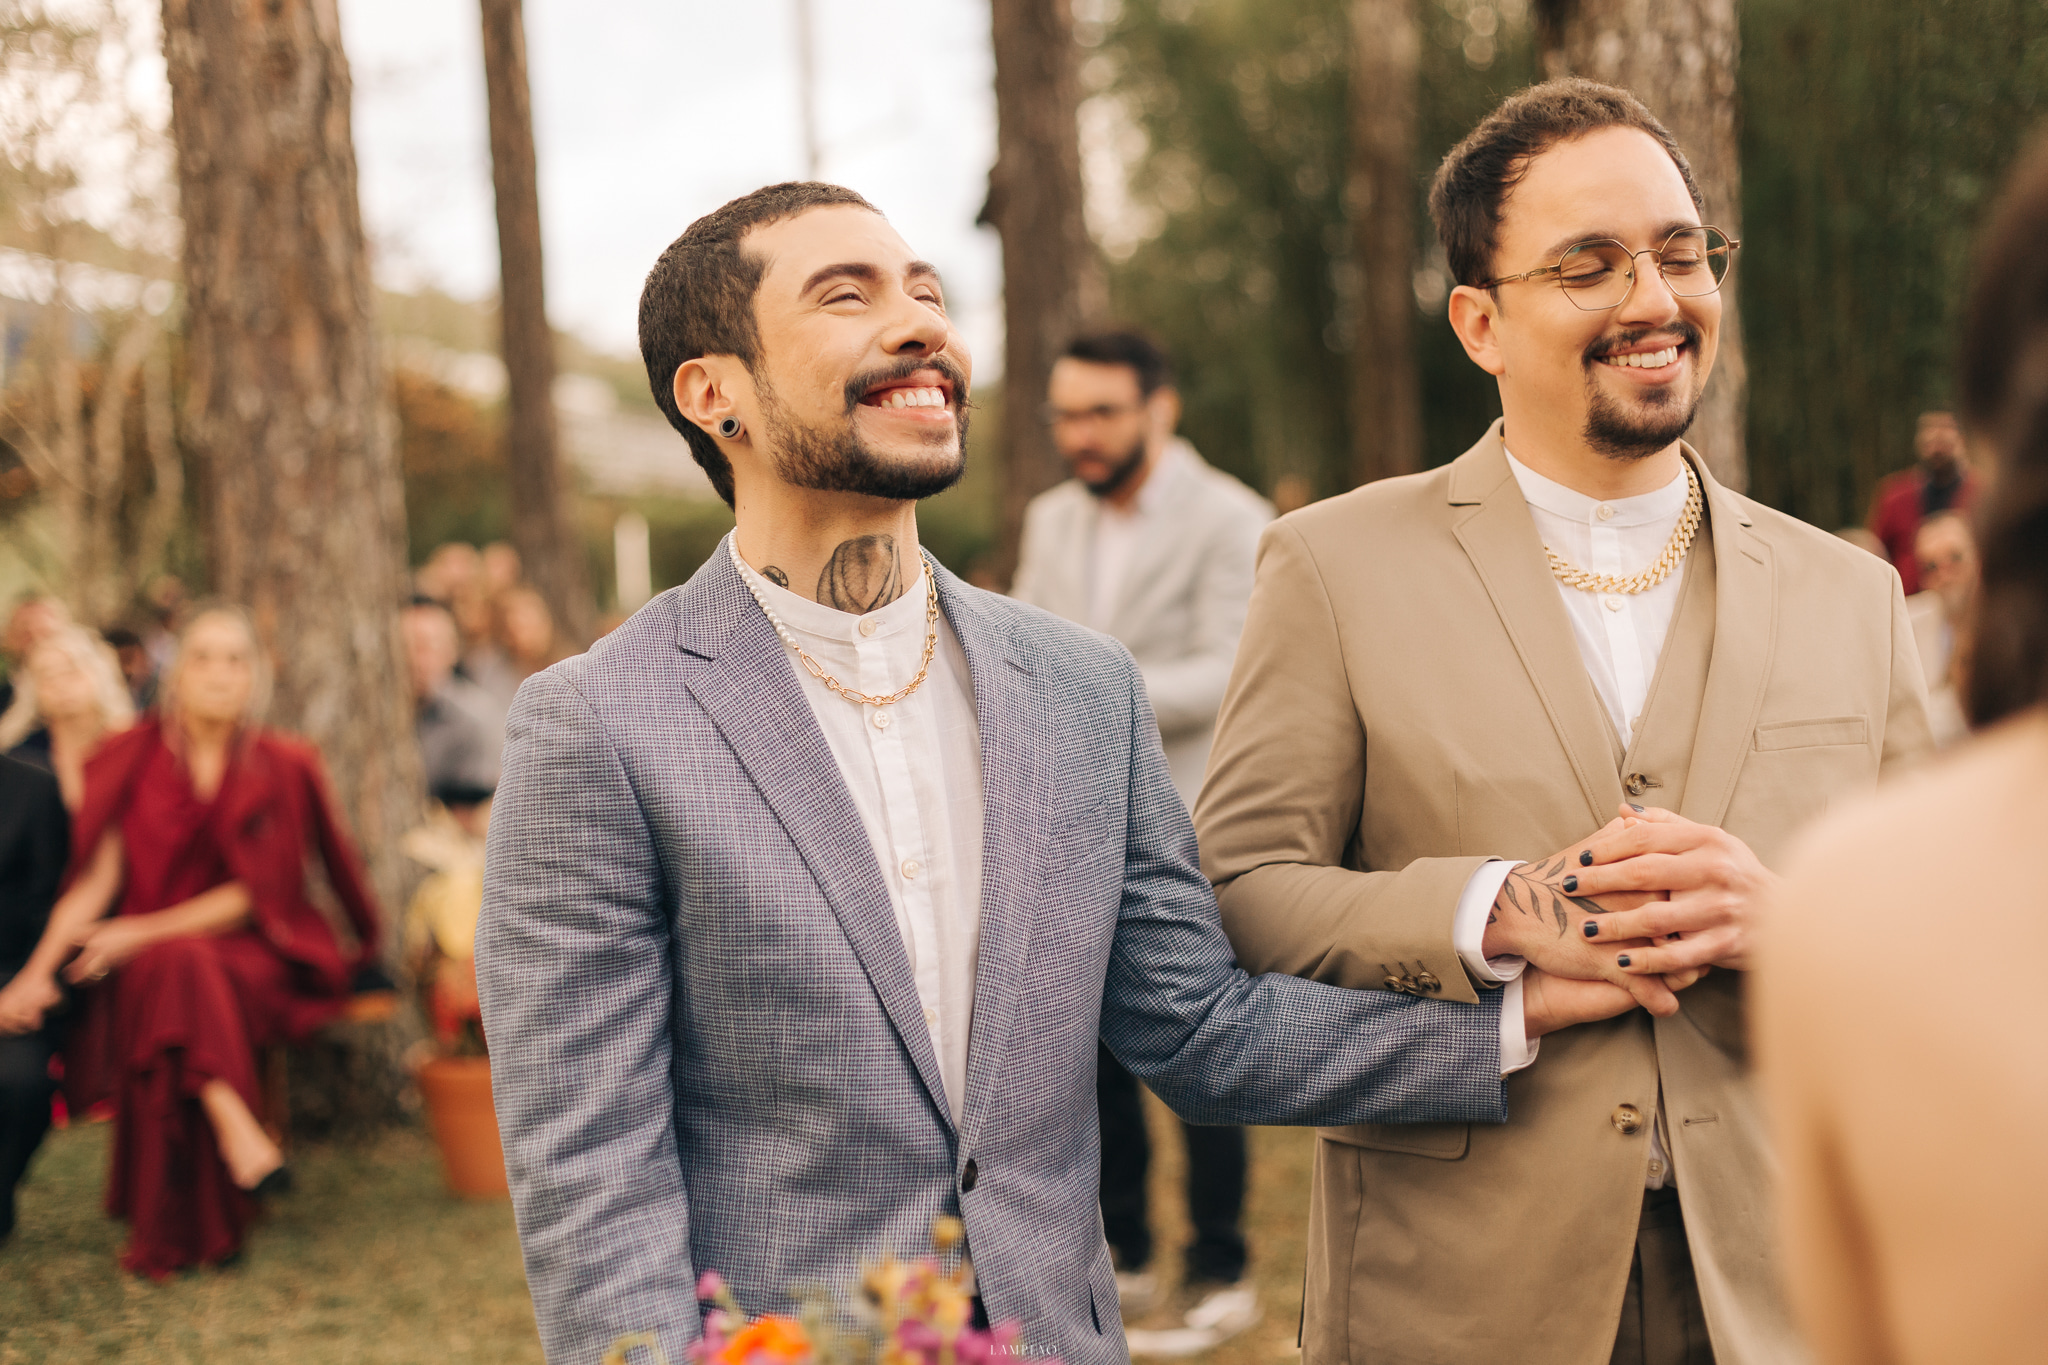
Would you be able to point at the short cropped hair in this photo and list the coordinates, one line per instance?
(1125, 346)
(1478, 174)
(2003, 384)
(699, 300)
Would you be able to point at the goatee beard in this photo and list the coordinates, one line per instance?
(837, 460)
(1622, 434)
(1119, 473)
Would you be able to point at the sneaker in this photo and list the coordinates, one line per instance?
(1136, 1292)
(1224, 1310)
(1169, 1341)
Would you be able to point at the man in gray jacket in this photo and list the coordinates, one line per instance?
(1153, 547)
(811, 888)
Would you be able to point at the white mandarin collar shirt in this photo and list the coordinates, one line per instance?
(1620, 637)
(1119, 529)
(914, 772)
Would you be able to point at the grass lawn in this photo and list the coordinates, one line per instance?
(370, 1261)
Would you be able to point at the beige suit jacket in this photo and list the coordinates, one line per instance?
(1408, 701)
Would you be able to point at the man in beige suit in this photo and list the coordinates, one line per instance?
(1570, 646)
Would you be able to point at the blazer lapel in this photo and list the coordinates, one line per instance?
(1013, 707)
(751, 694)
(1745, 639)
(1493, 525)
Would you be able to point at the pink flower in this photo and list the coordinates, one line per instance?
(710, 1285)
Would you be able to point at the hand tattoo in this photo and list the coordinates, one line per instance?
(1537, 891)
(775, 576)
(862, 574)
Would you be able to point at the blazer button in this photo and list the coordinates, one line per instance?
(1428, 981)
(1638, 783)
(970, 1177)
(1396, 985)
(1628, 1120)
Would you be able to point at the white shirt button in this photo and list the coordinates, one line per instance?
(867, 625)
(911, 867)
(1604, 512)
(882, 718)
(1656, 1167)
(931, 1017)
(1614, 604)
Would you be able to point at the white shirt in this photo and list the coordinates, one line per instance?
(1620, 636)
(1118, 530)
(914, 772)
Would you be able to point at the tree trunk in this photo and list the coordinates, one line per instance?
(1052, 279)
(286, 405)
(1680, 58)
(1386, 387)
(542, 526)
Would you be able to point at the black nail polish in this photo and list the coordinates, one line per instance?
(1634, 807)
(1621, 961)
(1586, 858)
(1571, 884)
(1591, 928)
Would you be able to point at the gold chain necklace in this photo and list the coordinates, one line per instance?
(817, 670)
(1643, 580)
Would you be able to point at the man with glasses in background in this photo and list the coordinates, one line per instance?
(1149, 544)
(1559, 702)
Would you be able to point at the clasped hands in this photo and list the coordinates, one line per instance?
(1629, 917)
(32, 994)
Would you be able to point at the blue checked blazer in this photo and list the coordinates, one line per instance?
(706, 1043)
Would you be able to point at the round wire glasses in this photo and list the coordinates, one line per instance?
(1598, 275)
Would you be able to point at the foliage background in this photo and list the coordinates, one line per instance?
(1873, 135)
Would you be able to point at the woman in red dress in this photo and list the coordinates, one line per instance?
(194, 832)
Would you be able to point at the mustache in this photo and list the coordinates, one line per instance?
(858, 386)
(1621, 341)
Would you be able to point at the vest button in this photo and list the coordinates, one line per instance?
(1628, 1120)
(970, 1177)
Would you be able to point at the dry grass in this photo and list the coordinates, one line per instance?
(371, 1262)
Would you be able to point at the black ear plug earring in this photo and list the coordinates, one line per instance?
(729, 428)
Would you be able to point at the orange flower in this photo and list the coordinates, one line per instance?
(769, 1340)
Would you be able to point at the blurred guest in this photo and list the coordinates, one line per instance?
(33, 617)
(526, 629)
(166, 600)
(451, 569)
(34, 839)
(1940, 480)
(1946, 555)
(1149, 544)
(71, 696)
(501, 567)
(194, 834)
(1911, 1241)
(138, 669)
(461, 727)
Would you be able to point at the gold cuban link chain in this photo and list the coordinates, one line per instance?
(817, 670)
(1643, 580)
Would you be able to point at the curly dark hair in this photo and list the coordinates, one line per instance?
(699, 300)
(2004, 409)
(1477, 175)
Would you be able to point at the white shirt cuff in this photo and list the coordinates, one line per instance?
(1468, 929)
(1517, 1048)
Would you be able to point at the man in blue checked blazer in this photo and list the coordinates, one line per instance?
(811, 889)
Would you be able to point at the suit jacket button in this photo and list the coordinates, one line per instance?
(1428, 981)
(970, 1177)
(1628, 1120)
(1396, 985)
(1638, 783)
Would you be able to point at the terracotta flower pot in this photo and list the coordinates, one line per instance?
(457, 1091)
